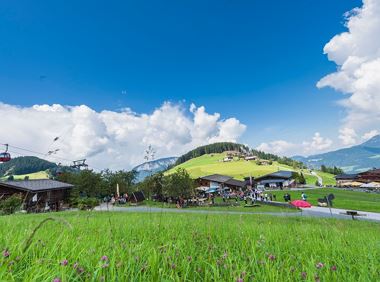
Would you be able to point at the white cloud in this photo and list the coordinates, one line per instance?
(278, 147)
(368, 135)
(116, 140)
(348, 136)
(317, 144)
(357, 54)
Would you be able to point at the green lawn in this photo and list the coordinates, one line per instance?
(211, 163)
(236, 207)
(105, 246)
(350, 200)
(36, 175)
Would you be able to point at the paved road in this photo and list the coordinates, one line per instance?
(310, 212)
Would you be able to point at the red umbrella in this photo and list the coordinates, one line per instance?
(300, 204)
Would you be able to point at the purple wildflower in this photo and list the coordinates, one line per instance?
(80, 270)
(56, 279)
(271, 257)
(333, 268)
(75, 265)
(64, 262)
(6, 253)
(239, 280)
(104, 258)
(319, 265)
(303, 275)
(173, 266)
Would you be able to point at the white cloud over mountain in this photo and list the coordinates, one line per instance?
(317, 144)
(357, 55)
(116, 140)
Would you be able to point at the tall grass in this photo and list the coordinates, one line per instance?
(184, 247)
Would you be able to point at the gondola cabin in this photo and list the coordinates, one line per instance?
(5, 157)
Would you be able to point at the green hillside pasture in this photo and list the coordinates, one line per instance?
(184, 247)
(212, 163)
(350, 200)
(36, 175)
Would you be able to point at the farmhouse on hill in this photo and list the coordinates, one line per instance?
(218, 181)
(279, 179)
(38, 195)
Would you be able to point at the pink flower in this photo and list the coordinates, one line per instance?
(64, 262)
(104, 258)
(56, 279)
(75, 265)
(319, 265)
(303, 275)
(6, 253)
(271, 257)
(333, 268)
(239, 280)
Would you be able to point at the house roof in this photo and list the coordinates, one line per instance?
(268, 181)
(234, 182)
(216, 178)
(375, 171)
(36, 185)
(346, 176)
(282, 174)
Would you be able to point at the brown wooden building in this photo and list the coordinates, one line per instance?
(219, 181)
(372, 175)
(37, 195)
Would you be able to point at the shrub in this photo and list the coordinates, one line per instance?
(87, 203)
(11, 204)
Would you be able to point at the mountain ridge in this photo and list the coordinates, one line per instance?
(353, 159)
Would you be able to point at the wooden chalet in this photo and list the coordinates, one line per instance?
(38, 195)
(372, 175)
(219, 181)
(279, 179)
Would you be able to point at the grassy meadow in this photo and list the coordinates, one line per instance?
(36, 175)
(350, 200)
(95, 246)
(211, 163)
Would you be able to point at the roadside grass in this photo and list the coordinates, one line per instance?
(212, 163)
(234, 207)
(105, 246)
(350, 200)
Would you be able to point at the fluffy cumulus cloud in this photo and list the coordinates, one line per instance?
(348, 136)
(116, 140)
(368, 135)
(278, 147)
(317, 144)
(357, 55)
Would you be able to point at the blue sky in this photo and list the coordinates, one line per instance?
(258, 61)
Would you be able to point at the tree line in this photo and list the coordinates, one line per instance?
(333, 170)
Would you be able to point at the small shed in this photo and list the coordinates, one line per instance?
(38, 195)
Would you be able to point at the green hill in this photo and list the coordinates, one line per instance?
(238, 169)
(25, 165)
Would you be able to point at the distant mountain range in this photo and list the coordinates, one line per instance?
(354, 159)
(149, 168)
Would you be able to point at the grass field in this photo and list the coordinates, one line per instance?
(36, 175)
(183, 247)
(211, 163)
(234, 207)
(349, 200)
